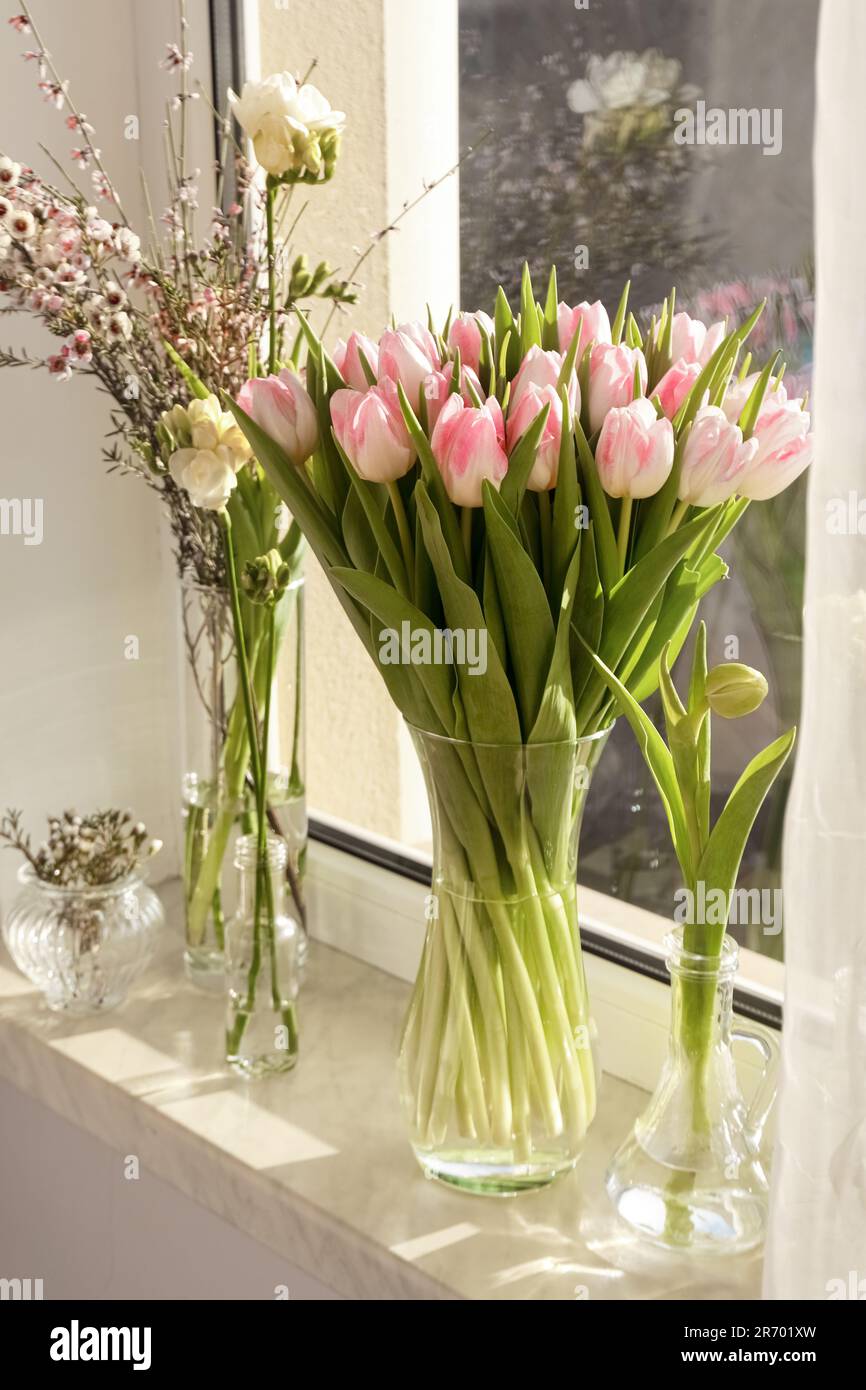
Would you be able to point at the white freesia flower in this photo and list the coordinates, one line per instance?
(208, 475)
(625, 79)
(210, 426)
(286, 123)
(210, 450)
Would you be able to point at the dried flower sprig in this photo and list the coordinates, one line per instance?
(83, 851)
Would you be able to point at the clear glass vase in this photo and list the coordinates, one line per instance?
(690, 1174)
(83, 947)
(497, 1068)
(263, 941)
(218, 804)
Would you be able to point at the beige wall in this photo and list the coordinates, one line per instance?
(392, 67)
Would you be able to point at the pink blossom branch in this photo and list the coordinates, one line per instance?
(80, 122)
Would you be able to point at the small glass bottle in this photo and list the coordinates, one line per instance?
(262, 963)
(690, 1174)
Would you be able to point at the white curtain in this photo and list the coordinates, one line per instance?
(817, 1240)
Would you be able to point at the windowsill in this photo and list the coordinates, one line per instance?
(315, 1166)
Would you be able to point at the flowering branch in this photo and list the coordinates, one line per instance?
(75, 120)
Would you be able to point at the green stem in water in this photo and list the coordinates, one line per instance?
(252, 733)
(270, 625)
(243, 663)
(272, 278)
(296, 782)
(219, 925)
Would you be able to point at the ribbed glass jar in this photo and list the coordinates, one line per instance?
(83, 947)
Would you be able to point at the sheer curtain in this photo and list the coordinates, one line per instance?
(817, 1240)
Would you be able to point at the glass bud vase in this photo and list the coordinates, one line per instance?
(690, 1175)
(497, 1068)
(262, 963)
(83, 947)
(218, 804)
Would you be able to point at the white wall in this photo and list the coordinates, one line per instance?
(79, 724)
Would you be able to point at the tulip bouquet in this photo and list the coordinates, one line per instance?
(559, 485)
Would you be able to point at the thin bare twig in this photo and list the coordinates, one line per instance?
(407, 207)
(81, 123)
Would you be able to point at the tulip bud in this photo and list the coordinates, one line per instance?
(467, 444)
(437, 389)
(784, 448)
(540, 370)
(465, 335)
(693, 341)
(282, 407)
(371, 431)
(635, 450)
(675, 385)
(714, 459)
(611, 379)
(733, 689)
(589, 320)
(347, 357)
(533, 399)
(408, 354)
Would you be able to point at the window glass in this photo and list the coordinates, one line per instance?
(591, 164)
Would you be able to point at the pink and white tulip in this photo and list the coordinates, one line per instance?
(589, 320)
(465, 335)
(408, 354)
(675, 385)
(467, 444)
(437, 389)
(635, 451)
(692, 339)
(532, 401)
(283, 408)
(611, 379)
(738, 393)
(540, 370)
(784, 449)
(372, 433)
(347, 359)
(714, 459)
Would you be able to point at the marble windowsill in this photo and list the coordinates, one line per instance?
(315, 1165)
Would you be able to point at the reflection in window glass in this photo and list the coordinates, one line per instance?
(583, 168)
